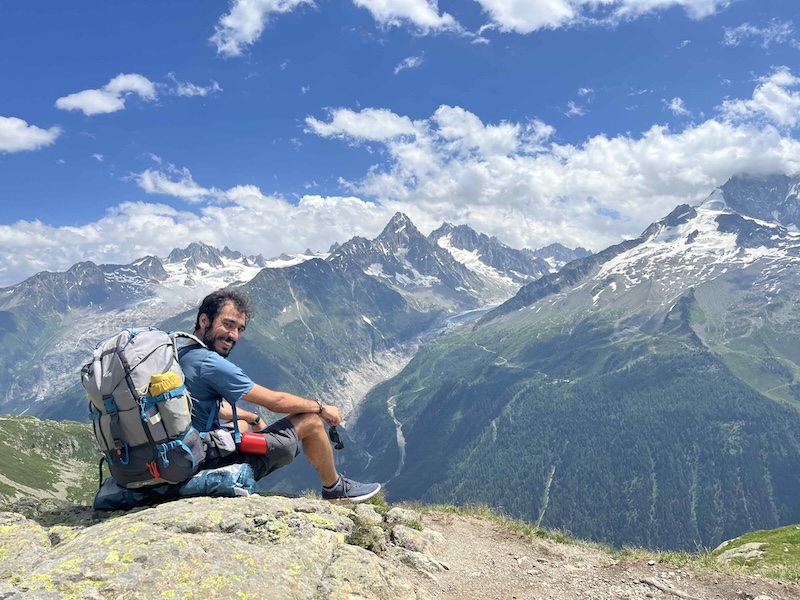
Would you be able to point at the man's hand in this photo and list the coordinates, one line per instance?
(331, 414)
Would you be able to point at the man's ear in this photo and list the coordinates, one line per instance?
(204, 321)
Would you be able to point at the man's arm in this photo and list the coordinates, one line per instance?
(285, 403)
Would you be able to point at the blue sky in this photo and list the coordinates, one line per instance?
(129, 128)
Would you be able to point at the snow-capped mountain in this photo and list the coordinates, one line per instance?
(406, 260)
(648, 394)
(59, 317)
(701, 248)
(454, 267)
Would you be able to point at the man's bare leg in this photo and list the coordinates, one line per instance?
(316, 447)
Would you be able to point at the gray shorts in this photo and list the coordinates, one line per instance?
(282, 446)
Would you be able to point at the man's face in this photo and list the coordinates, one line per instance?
(222, 334)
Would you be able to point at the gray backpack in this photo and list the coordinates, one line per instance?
(140, 410)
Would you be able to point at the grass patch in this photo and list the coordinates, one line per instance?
(519, 526)
(777, 555)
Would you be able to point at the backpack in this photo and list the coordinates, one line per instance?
(140, 409)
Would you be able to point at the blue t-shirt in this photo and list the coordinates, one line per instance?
(209, 378)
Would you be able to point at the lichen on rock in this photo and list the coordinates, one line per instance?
(198, 548)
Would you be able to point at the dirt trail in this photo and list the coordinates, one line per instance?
(488, 562)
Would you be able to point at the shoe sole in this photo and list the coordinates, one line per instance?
(354, 499)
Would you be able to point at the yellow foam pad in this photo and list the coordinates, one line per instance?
(163, 382)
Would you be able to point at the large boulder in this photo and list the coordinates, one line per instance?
(253, 547)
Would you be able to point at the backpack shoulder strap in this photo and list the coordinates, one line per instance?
(176, 335)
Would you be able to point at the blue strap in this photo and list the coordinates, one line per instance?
(132, 335)
(211, 416)
(237, 436)
(94, 414)
(164, 448)
(150, 401)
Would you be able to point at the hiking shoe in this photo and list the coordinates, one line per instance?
(347, 490)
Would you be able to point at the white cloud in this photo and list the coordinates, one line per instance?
(422, 14)
(772, 100)
(253, 224)
(175, 182)
(683, 44)
(776, 32)
(509, 179)
(17, 135)
(370, 125)
(677, 107)
(411, 62)
(245, 23)
(527, 16)
(111, 97)
(98, 157)
(573, 110)
(188, 89)
(457, 168)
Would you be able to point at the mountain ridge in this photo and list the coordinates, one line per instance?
(63, 314)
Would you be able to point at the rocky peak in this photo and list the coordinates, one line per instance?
(769, 198)
(150, 267)
(399, 232)
(557, 255)
(196, 254)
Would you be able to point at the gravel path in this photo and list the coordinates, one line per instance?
(487, 562)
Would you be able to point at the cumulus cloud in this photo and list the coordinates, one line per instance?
(775, 32)
(111, 97)
(16, 135)
(253, 224)
(370, 124)
(422, 14)
(412, 62)
(514, 181)
(245, 23)
(175, 182)
(527, 16)
(773, 100)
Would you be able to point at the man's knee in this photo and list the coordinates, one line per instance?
(307, 424)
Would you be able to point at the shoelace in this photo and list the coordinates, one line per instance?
(346, 485)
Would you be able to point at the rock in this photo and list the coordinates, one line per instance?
(426, 542)
(419, 561)
(256, 546)
(368, 515)
(21, 542)
(744, 552)
(403, 516)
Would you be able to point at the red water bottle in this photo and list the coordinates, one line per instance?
(253, 443)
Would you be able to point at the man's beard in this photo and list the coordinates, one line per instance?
(210, 341)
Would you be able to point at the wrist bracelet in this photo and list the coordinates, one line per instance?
(319, 412)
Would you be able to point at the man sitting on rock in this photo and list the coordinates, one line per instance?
(211, 378)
